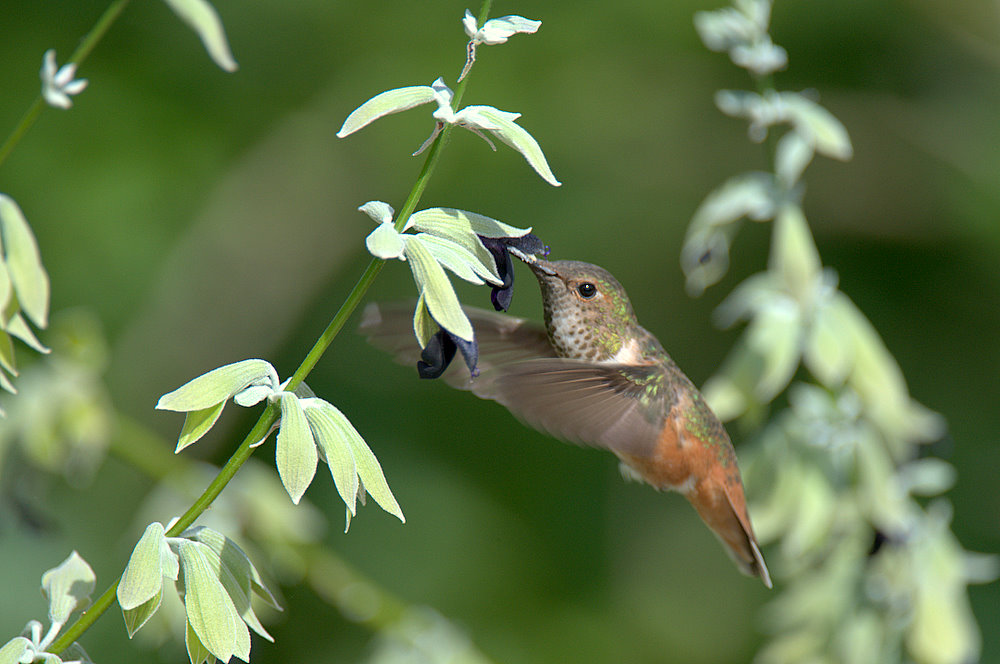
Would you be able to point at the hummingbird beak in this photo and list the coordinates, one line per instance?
(538, 266)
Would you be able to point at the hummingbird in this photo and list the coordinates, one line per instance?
(594, 376)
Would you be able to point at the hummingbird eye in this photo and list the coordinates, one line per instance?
(587, 290)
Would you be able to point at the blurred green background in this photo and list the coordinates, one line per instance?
(208, 217)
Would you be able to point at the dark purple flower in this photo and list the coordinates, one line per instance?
(498, 246)
(440, 351)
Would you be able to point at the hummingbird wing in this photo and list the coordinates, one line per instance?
(502, 339)
(603, 405)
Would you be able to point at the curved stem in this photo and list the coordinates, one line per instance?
(87, 45)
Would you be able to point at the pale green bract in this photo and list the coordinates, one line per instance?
(295, 451)
(502, 125)
(439, 296)
(68, 587)
(354, 468)
(24, 286)
(218, 581)
(497, 30)
(296, 454)
(474, 118)
(209, 608)
(204, 397)
(204, 20)
(386, 103)
(448, 238)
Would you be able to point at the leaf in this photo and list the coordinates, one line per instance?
(24, 264)
(516, 137)
(386, 103)
(13, 650)
(219, 385)
(233, 568)
(150, 561)
(439, 296)
(793, 154)
(7, 354)
(385, 242)
(204, 20)
(197, 652)
(794, 257)
(424, 326)
(369, 469)
(68, 587)
(444, 222)
(197, 423)
(17, 327)
(379, 211)
(829, 349)
(209, 609)
(332, 437)
(927, 477)
(235, 557)
(457, 258)
(818, 126)
(775, 336)
(138, 616)
(295, 453)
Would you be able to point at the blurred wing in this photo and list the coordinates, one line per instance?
(603, 405)
(576, 401)
(502, 339)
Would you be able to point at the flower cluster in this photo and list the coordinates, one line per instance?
(309, 429)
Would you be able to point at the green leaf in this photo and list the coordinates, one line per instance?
(818, 126)
(829, 351)
(18, 327)
(234, 556)
(150, 561)
(197, 423)
(210, 610)
(136, 617)
(794, 257)
(793, 154)
(508, 131)
(6, 287)
(197, 652)
(774, 336)
(68, 587)
(219, 385)
(424, 326)
(331, 437)
(7, 354)
(369, 469)
(13, 650)
(380, 211)
(385, 242)
(24, 264)
(439, 296)
(204, 20)
(457, 258)
(295, 454)
(451, 223)
(386, 103)
(234, 569)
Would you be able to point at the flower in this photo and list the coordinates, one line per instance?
(57, 86)
(501, 248)
(477, 119)
(440, 351)
(495, 31)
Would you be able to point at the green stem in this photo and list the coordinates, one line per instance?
(87, 45)
(270, 414)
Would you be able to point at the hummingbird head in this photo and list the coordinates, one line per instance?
(587, 313)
